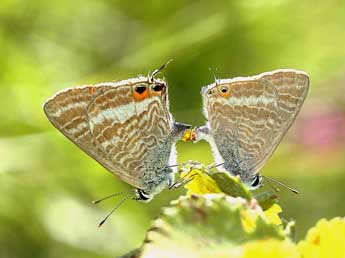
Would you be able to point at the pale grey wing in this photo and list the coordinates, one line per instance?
(275, 97)
(292, 87)
(242, 123)
(157, 138)
(67, 112)
(133, 133)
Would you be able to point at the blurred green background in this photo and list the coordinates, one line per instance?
(47, 183)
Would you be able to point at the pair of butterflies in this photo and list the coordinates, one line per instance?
(127, 127)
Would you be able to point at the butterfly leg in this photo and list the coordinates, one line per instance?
(214, 165)
(179, 130)
(185, 179)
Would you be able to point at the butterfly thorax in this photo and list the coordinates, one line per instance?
(155, 185)
(156, 182)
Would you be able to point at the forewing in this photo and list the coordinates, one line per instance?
(292, 87)
(242, 121)
(67, 112)
(249, 123)
(131, 131)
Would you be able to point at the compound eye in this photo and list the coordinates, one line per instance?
(224, 89)
(142, 196)
(256, 181)
(158, 87)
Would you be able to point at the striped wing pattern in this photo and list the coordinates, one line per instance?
(134, 134)
(241, 132)
(250, 119)
(67, 112)
(123, 134)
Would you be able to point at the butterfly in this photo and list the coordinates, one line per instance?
(248, 116)
(126, 126)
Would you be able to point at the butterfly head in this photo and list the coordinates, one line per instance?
(142, 196)
(218, 89)
(217, 92)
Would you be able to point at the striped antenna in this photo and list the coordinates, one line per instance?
(112, 195)
(281, 184)
(114, 209)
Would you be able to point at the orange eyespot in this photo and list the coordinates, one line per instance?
(224, 91)
(157, 89)
(140, 92)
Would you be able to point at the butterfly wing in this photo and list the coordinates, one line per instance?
(292, 87)
(66, 110)
(134, 130)
(240, 121)
(248, 121)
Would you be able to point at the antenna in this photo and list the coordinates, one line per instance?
(114, 209)
(275, 189)
(214, 75)
(159, 69)
(173, 166)
(189, 162)
(110, 196)
(281, 184)
(183, 181)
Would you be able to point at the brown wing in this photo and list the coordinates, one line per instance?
(292, 87)
(135, 133)
(242, 121)
(67, 112)
(250, 119)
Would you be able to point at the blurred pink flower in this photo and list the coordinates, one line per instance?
(321, 127)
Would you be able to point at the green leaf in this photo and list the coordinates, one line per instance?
(266, 199)
(231, 185)
(209, 223)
